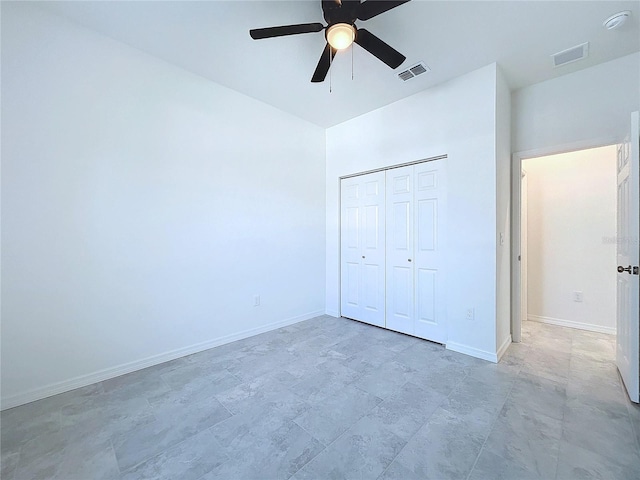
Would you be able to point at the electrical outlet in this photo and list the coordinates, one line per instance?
(470, 314)
(577, 296)
(256, 300)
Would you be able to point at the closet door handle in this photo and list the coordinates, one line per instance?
(409, 260)
(362, 256)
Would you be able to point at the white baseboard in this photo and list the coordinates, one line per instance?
(504, 346)
(571, 324)
(107, 373)
(332, 313)
(474, 352)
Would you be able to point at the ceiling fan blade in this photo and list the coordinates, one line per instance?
(323, 64)
(372, 8)
(378, 48)
(270, 32)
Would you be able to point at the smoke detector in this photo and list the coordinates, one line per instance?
(616, 20)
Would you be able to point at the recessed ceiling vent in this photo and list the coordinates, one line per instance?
(571, 55)
(414, 71)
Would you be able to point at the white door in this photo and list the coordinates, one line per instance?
(429, 256)
(415, 250)
(628, 287)
(362, 239)
(399, 229)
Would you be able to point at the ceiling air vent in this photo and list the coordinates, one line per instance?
(418, 69)
(571, 55)
(414, 71)
(406, 75)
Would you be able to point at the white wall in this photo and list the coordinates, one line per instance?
(588, 105)
(142, 209)
(571, 214)
(503, 213)
(457, 118)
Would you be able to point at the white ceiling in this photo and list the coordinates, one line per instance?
(211, 39)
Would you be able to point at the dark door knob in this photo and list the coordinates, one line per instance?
(622, 269)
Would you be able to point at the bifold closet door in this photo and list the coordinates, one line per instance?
(399, 255)
(430, 182)
(362, 248)
(415, 294)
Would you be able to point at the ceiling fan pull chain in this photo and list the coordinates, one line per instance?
(352, 61)
(330, 69)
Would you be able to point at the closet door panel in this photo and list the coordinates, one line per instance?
(426, 281)
(373, 249)
(363, 248)
(371, 229)
(371, 291)
(352, 230)
(351, 286)
(427, 225)
(430, 314)
(399, 228)
(402, 303)
(350, 245)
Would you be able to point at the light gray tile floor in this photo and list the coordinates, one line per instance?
(336, 399)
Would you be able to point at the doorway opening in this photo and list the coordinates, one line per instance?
(624, 240)
(568, 238)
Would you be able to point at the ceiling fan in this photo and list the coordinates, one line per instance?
(341, 32)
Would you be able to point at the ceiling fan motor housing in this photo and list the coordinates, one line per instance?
(340, 12)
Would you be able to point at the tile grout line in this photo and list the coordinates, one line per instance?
(414, 434)
(312, 458)
(170, 446)
(338, 437)
(120, 472)
(564, 407)
(492, 427)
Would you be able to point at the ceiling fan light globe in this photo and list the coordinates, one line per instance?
(341, 35)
